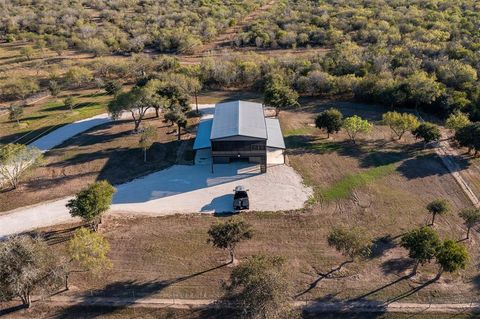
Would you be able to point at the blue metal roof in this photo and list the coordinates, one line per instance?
(203, 135)
(238, 118)
(274, 132)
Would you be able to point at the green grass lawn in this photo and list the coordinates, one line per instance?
(48, 115)
(343, 188)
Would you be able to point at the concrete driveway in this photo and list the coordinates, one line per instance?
(179, 189)
(186, 189)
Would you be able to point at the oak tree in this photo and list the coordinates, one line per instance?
(90, 203)
(229, 234)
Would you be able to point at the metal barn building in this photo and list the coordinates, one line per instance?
(239, 131)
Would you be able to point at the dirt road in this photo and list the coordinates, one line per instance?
(308, 306)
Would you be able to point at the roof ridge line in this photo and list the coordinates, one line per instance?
(239, 117)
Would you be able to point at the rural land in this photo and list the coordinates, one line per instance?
(250, 159)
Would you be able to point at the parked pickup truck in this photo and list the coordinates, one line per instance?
(240, 199)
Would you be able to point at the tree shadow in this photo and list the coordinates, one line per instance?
(54, 237)
(30, 118)
(63, 107)
(128, 164)
(370, 293)
(426, 165)
(322, 276)
(412, 291)
(362, 151)
(381, 158)
(28, 136)
(122, 294)
(123, 164)
(332, 307)
(301, 144)
(96, 135)
(298, 141)
(401, 295)
(97, 94)
(397, 265)
(48, 182)
(476, 281)
(381, 245)
(10, 310)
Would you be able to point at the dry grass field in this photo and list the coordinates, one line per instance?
(379, 184)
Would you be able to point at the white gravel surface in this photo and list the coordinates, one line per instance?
(63, 133)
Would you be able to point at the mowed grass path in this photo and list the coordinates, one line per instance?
(343, 188)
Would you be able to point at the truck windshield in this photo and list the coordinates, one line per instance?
(240, 195)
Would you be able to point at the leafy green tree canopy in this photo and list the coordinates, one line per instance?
(260, 287)
(471, 218)
(147, 138)
(91, 202)
(456, 121)
(351, 242)
(469, 136)
(279, 95)
(422, 245)
(89, 249)
(438, 206)
(427, 131)
(16, 160)
(354, 125)
(400, 123)
(27, 266)
(451, 256)
(227, 235)
(330, 120)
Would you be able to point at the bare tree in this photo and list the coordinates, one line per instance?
(16, 160)
(28, 265)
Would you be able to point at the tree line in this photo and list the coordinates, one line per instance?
(446, 87)
(121, 27)
(394, 47)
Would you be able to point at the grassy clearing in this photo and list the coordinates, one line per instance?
(48, 115)
(299, 131)
(345, 186)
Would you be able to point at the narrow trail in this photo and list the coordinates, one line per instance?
(308, 306)
(448, 155)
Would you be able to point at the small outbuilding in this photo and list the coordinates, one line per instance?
(239, 131)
